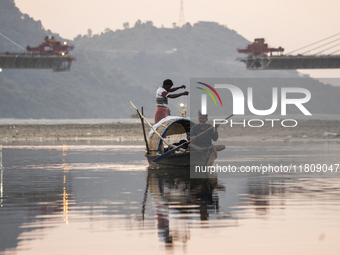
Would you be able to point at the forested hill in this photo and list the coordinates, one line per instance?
(19, 27)
(117, 66)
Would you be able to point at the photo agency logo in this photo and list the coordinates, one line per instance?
(281, 99)
(204, 97)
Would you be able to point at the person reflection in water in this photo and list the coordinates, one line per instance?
(202, 192)
(204, 140)
(163, 224)
(162, 215)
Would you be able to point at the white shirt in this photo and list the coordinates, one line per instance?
(162, 97)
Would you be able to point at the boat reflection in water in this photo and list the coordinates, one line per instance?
(180, 201)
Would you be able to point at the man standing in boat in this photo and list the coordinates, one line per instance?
(204, 140)
(162, 96)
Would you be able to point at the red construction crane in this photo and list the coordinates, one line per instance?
(259, 48)
(51, 47)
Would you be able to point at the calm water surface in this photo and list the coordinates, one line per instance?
(100, 198)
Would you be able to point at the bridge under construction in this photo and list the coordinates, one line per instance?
(51, 54)
(262, 57)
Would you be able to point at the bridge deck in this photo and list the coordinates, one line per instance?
(29, 61)
(292, 62)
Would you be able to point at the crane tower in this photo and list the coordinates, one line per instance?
(181, 15)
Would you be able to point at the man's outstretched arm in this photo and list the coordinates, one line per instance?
(177, 88)
(185, 93)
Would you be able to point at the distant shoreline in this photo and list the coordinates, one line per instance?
(313, 130)
(15, 121)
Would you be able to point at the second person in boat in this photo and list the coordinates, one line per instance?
(197, 141)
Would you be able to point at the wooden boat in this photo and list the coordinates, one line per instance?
(174, 130)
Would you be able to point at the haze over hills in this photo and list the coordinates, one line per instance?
(129, 64)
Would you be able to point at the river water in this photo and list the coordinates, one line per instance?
(100, 198)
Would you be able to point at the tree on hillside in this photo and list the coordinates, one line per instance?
(89, 32)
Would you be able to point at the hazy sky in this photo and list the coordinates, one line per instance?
(287, 23)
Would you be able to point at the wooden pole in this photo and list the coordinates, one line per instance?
(145, 139)
(147, 122)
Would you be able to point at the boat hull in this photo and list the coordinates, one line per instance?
(202, 158)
